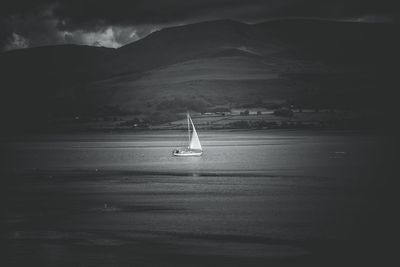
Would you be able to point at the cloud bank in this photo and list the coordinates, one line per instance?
(26, 23)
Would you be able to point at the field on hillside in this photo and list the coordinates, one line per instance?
(210, 82)
(266, 120)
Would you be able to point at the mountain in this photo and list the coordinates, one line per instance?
(33, 79)
(311, 63)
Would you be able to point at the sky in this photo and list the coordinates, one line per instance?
(28, 23)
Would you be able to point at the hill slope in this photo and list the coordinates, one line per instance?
(307, 62)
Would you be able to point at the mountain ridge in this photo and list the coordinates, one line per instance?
(265, 62)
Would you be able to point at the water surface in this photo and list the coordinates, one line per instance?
(253, 198)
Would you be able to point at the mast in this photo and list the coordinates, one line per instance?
(188, 127)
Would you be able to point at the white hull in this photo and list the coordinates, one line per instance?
(187, 153)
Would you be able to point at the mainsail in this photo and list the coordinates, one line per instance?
(194, 147)
(195, 142)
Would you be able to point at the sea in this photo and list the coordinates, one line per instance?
(254, 198)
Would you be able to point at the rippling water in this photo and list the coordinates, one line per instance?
(252, 198)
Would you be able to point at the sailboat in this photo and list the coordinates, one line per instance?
(194, 148)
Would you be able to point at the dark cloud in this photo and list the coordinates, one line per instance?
(92, 13)
(121, 21)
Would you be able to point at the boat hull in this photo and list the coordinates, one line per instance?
(187, 153)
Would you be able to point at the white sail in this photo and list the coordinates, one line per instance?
(195, 142)
(194, 148)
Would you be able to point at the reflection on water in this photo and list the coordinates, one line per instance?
(253, 197)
